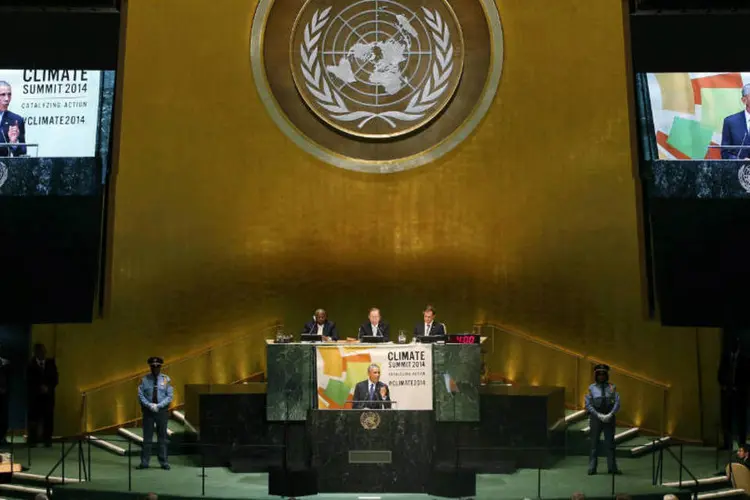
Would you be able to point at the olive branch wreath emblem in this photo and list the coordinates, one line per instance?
(330, 100)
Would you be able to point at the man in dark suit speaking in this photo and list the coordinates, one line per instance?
(735, 131)
(12, 126)
(372, 393)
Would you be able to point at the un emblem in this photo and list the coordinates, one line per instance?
(376, 68)
(3, 173)
(744, 177)
(369, 420)
(377, 86)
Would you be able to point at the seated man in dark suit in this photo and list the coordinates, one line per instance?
(12, 126)
(735, 131)
(430, 326)
(321, 326)
(375, 326)
(371, 393)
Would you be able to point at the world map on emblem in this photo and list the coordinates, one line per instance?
(376, 68)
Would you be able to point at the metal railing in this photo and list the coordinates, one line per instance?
(518, 355)
(114, 403)
(203, 457)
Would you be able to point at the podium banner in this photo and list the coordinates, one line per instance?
(405, 369)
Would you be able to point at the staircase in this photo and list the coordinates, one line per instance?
(130, 438)
(630, 442)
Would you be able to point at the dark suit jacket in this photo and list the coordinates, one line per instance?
(734, 364)
(10, 118)
(366, 329)
(37, 377)
(437, 329)
(734, 133)
(329, 329)
(361, 393)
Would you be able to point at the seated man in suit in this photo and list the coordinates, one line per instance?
(321, 326)
(371, 393)
(430, 326)
(735, 131)
(375, 326)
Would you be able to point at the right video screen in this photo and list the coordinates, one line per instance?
(700, 116)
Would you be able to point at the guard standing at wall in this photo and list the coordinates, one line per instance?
(734, 379)
(155, 394)
(602, 403)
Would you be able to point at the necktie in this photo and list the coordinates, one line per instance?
(427, 329)
(155, 397)
(374, 330)
(372, 392)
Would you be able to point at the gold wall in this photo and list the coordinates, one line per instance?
(221, 223)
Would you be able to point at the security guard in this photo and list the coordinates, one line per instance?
(602, 403)
(155, 394)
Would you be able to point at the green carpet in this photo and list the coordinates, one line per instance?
(110, 479)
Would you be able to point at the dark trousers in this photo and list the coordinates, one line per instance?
(151, 419)
(597, 429)
(734, 408)
(40, 419)
(4, 408)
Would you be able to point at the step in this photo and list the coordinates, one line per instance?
(652, 445)
(578, 441)
(18, 488)
(734, 492)
(106, 445)
(705, 481)
(180, 417)
(135, 434)
(38, 478)
(573, 416)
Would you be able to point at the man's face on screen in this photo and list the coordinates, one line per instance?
(374, 374)
(746, 101)
(5, 95)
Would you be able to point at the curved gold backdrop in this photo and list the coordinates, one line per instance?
(220, 223)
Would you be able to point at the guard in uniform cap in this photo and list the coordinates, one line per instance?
(155, 394)
(602, 403)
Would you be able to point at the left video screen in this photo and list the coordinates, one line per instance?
(54, 130)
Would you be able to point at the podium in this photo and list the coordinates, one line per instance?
(374, 450)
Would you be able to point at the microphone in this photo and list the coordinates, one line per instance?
(380, 331)
(312, 328)
(445, 330)
(742, 145)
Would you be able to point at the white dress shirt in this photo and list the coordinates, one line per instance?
(375, 329)
(320, 329)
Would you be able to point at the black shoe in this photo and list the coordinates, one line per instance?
(592, 473)
(165, 466)
(616, 472)
(141, 466)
